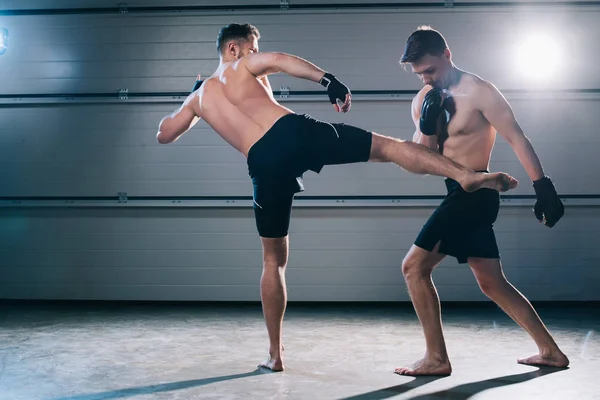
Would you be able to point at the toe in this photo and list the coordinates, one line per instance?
(403, 371)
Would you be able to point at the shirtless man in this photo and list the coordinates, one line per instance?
(458, 113)
(279, 146)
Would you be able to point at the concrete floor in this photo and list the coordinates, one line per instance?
(89, 351)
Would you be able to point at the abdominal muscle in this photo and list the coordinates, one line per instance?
(472, 150)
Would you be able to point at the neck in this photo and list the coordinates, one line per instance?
(453, 76)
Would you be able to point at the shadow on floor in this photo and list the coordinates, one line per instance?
(460, 392)
(165, 387)
(394, 390)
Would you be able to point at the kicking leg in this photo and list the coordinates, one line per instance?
(493, 283)
(419, 159)
(417, 268)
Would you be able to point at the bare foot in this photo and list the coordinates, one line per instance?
(274, 364)
(499, 181)
(555, 359)
(426, 367)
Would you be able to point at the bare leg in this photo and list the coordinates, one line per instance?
(273, 294)
(419, 159)
(417, 268)
(493, 283)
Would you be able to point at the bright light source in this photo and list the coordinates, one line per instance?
(3, 40)
(538, 57)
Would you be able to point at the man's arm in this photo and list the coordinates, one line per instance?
(418, 136)
(263, 64)
(499, 113)
(548, 207)
(178, 122)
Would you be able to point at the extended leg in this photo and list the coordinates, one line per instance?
(493, 283)
(419, 159)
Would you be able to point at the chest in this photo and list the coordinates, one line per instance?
(462, 116)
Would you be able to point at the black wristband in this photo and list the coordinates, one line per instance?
(326, 79)
(543, 183)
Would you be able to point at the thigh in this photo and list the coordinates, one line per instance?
(351, 145)
(438, 227)
(272, 204)
(487, 271)
(422, 259)
(480, 242)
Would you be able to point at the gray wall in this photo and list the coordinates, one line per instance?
(98, 147)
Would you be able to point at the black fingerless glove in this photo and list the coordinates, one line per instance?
(197, 85)
(548, 204)
(430, 111)
(336, 90)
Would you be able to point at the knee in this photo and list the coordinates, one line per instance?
(413, 267)
(378, 147)
(274, 264)
(491, 287)
(275, 253)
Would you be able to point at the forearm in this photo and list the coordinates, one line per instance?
(527, 157)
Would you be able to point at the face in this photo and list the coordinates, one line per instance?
(433, 70)
(243, 47)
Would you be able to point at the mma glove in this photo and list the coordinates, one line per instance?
(336, 90)
(198, 83)
(548, 205)
(430, 111)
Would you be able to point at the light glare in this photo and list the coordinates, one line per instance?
(3, 40)
(537, 57)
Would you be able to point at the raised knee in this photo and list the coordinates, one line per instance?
(378, 149)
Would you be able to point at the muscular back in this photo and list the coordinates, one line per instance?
(468, 137)
(238, 105)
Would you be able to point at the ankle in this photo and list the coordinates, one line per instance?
(274, 353)
(438, 357)
(548, 350)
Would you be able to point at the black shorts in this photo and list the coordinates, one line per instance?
(297, 143)
(463, 223)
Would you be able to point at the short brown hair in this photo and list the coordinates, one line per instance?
(235, 32)
(425, 40)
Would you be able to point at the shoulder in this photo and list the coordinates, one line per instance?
(480, 87)
(417, 101)
(421, 93)
(484, 93)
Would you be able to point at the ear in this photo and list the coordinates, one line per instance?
(448, 54)
(232, 48)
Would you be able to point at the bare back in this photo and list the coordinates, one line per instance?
(469, 137)
(237, 105)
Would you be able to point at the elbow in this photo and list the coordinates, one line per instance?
(517, 141)
(163, 136)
